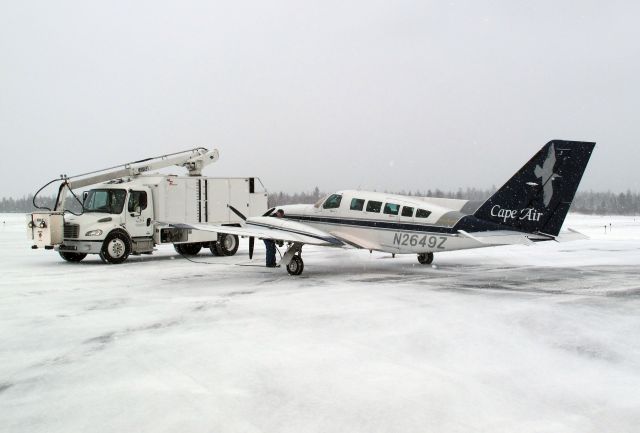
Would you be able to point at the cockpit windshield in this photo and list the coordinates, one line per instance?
(319, 202)
(333, 202)
(105, 200)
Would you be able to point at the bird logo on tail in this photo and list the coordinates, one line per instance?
(546, 174)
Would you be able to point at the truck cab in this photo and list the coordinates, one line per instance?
(116, 222)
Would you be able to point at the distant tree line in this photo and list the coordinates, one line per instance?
(602, 203)
(282, 198)
(587, 202)
(25, 204)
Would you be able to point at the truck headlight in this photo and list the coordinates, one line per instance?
(93, 233)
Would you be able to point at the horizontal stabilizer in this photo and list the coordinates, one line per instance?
(500, 237)
(571, 235)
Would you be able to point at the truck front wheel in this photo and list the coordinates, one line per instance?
(116, 248)
(72, 257)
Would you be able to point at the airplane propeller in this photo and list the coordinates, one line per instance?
(237, 212)
(252, 240)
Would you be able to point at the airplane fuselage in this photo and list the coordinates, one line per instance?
(391, 223)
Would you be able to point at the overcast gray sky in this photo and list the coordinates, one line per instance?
(340, 94)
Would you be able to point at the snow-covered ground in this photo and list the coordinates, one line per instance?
(507, 339)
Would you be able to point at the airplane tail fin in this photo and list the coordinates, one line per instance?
(537, 198)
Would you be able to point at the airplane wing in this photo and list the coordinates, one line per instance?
(271, 228)
(356, 242)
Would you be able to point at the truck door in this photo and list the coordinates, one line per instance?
(139, 213)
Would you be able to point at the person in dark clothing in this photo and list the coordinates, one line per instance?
(270, 245)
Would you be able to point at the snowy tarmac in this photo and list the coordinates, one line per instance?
(506, 339)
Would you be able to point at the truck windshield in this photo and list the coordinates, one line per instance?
(105, 200)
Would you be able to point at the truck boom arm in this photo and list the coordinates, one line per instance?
(194, 160)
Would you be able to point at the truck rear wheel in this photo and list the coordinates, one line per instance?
(214, 248)
(72, 257)
(227, 245)
(188, 249)
(116, 248)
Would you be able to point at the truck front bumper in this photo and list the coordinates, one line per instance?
(80, 246)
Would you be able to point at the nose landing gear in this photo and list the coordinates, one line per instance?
(295, 266)
(292, 259)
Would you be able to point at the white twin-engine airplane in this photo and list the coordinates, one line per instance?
(530, 207)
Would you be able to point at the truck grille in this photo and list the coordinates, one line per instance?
(71, 231)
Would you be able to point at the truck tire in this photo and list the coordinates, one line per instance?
(72, 257)
(188, 249)
(116, 247)
(227, 245)
(214, 248)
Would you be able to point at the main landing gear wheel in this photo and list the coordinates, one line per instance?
(425, 258)
(227, 245)
(188, 249)
(116, 248)
(295, 266)
(72, 257)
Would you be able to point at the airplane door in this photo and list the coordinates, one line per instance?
(139, 213)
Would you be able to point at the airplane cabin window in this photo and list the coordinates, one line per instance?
(407, 211)
(421, 213)
(357, 204)
(391, 209)
(333, 202)
(374, 206)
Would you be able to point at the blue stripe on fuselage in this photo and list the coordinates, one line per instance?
(468, 223)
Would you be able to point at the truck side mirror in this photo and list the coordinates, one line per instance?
(84, 196)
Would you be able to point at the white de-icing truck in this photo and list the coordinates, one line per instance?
(127, 209)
